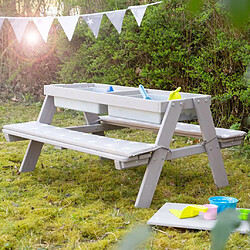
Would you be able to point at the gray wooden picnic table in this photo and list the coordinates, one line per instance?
(124, 107)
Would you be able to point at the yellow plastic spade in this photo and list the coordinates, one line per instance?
(189, 211)
(174, 94)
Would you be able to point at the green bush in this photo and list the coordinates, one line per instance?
(204, 54)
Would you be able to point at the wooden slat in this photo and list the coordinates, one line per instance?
(47, 134)
(94, 128)
(182, 129)
(69, 146)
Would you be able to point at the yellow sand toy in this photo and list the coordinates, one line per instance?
(189, 211)
(175, 94)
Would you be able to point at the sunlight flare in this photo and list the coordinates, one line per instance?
(32, 38)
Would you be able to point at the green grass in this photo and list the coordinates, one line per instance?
(75, 201)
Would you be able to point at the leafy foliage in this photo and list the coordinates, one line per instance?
(202, 54)
(136, 237)
(227, 222)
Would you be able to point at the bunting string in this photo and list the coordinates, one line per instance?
(68, 23)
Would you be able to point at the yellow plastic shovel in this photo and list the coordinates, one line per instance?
(189, 211)
(174, 94)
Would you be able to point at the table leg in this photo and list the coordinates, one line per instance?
(151, 178)
(156, 162)
(211, 142)
(34, 148)
(91, 119)
(31, 156)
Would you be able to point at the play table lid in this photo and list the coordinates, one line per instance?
(122, 96)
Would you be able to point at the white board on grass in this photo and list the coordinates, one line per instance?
(164, 218)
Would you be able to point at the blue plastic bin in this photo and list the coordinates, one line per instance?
(223, 202)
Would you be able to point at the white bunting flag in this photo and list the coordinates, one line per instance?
(94, 22)
(19, 25)
(138, 12)
(1, 22)
(116, 18)
(68, 24)
(43, 24)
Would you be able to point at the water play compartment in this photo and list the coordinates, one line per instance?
(64, 100)
(160, 97)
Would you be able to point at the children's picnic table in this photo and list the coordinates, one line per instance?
(125, 107)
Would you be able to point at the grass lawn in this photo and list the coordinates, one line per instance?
(75, 201)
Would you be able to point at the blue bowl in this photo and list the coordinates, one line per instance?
(223, 202)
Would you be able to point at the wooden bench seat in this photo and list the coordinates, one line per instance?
(226, 137)
(111, 148)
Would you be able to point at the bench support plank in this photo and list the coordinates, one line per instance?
(185, 151)
(130, 164)
(11, 138)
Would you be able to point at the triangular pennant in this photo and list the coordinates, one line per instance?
(43, 24)
(1, 22)
(150, 4)
(94, 22)
(138, 12)
(19, 25)
(116, 18)
(68, 24)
